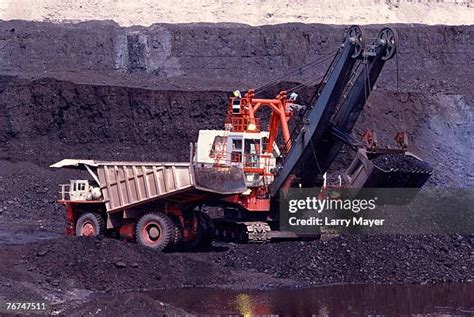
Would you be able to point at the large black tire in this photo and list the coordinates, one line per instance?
(155, 230)
(178, 232)
(90, 224)
(204, 237)
(209, 232)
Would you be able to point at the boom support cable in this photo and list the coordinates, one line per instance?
(402, 112)
(298, 126)
(294, 72)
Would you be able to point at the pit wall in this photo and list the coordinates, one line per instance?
(224, 56)
(62, 95)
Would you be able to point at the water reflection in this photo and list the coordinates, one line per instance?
(387, 300)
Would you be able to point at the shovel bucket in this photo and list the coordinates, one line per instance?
(388, 169)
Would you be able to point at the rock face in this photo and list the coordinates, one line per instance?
(224, 56)
(96, 90)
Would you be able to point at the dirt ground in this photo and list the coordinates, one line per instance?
(96, 90)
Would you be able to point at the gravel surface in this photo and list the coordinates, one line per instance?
(106, 265)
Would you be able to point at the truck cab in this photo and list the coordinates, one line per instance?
(80, 190)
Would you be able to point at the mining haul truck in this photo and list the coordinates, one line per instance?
(242, 168)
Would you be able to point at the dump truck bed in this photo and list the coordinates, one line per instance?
(126, 185)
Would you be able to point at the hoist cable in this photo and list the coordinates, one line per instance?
(296, 71)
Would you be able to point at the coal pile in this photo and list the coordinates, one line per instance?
(402, 163)
(109, 265)
(105, 265)
(361, 259)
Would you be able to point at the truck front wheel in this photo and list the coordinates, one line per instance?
(90, 224)
(155, 230)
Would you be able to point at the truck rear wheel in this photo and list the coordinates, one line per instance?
(204, 237)
(90, 224)
(155, 230)
(209, 233)
(178, 232)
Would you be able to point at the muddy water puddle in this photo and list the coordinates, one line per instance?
(336, 300)
(14, 233)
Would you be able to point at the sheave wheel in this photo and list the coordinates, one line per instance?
(155, 230)
(90, 224)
